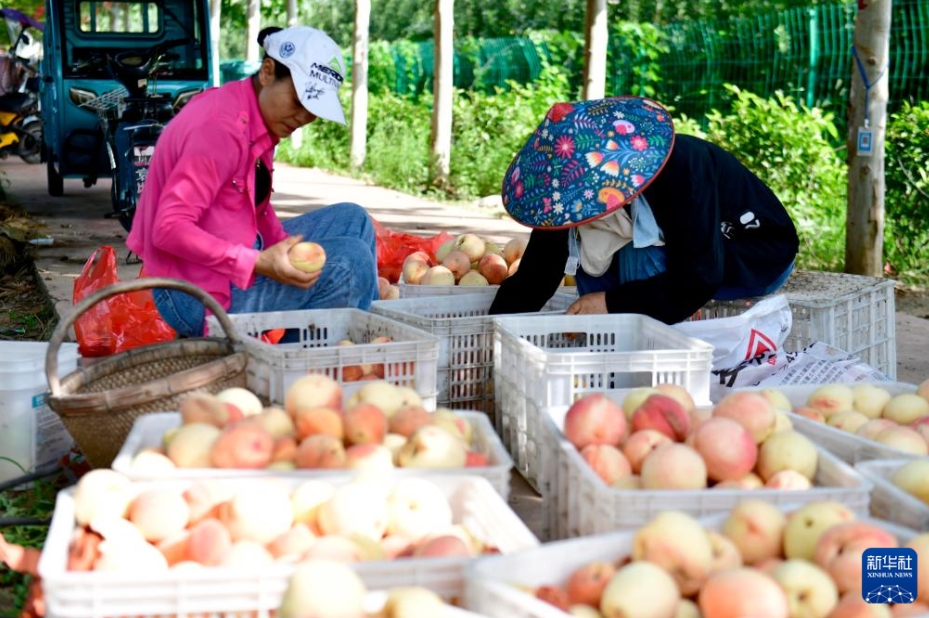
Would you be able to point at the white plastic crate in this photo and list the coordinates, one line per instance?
(408, 360)
(418, 291)
(466, 341)
(853, 313)
(226, 591)
(496, 586)
(889, 501)
(553, 360)
(847, 446)
(149, 429)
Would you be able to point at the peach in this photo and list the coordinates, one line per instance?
(492, 248)
(148, 461)
(641, 589)
(438, 275)
(513, 250)
(913, 478)
(674, 466)
(553, 595)
(444, 249)
(395, 546)
(725, 553)
(260, 512)
(325, 421)
(634, 399)
(245, 400)
(208, 408)
(354, 509)
(749, 409)
(640, 444)
(473, 277)
(768, 565)
(810, 413)
(869, 399)
(807, 524)
(458, 425)
(191, 446)
(788, 480)
(872, 428)
(839, 549)
(471, 245)
(314, 390)
(595, 419)
(284, 450)
(474, 459)
(306, 499)
(276, 422)
(209, 542)
(809, 589)
(851, 605)
(678, 543)
(493, 267)
(457, 262)
(410, 601)
(175, 548)
(391, 293)
(364, 423)
(514, 266)
(903, 439)
(386, 396)
(727, 448)
(248, 554)
(443, 545)
(685, 609)
(849, 420)
(368, 457)
(382, 283)
(777, 398)
(334, 547)
(920, 543)
(749, 481)
(415, 266)
(243, 445)
(677, 392)
(628, 482)
(757, 529)
(664, 414)
(323, 588)
(293, 543)
(831, 398)
(203, 498)
(159, 513)
(607, 461)
(307, 256)
(432, 446)
(408, 419)
(742, 592)
(320, 452)
(585, 584)
(787, 450)
(782, 422)
(417, 508)
(905, 408)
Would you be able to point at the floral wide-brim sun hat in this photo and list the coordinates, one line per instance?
(586, 160)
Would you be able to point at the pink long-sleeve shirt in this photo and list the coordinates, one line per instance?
(196, 219)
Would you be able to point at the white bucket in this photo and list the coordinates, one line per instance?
(31, 434)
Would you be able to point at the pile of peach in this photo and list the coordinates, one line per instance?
(327, 589)
(381, 426)
(465, 260)
(760, 563)
(913, 478)
(899, 421)
(658, 439)
(370, 371)
(258, 522)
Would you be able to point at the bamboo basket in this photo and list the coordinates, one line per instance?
(98, 404)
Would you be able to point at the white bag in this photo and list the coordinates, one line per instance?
(736, 339)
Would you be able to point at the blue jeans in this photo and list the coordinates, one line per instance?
(631, 264)
(349, 278)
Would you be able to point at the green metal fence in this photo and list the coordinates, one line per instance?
(804, 52)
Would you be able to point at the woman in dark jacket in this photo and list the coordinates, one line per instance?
(648, 221)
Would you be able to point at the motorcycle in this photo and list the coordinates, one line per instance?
(131, 119)
(20, 125)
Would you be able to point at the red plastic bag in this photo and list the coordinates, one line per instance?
(120, 322)
(393, 247)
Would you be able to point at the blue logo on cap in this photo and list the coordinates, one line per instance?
(287, 49)
(888, 575)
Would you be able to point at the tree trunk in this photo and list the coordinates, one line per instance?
(442, 92)
(596, 39)
(296, 138)
(864, 227)
(359, 122)
(216, 10)
(252, 27)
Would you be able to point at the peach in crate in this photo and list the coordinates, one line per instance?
(348, 345)
(901, 490)
(738, 562)
(119, 547)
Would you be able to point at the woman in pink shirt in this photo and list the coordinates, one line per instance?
(205, 214)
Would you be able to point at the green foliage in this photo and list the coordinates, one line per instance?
(789, 148)
(641, 47)
(906, 201)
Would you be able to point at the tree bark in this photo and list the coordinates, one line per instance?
(864, 227)
(359, 122)
(596, 40)
(296, 138)
(216, 9)
(442, 92)
(253, 27)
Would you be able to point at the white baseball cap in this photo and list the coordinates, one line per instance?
(316, 66)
